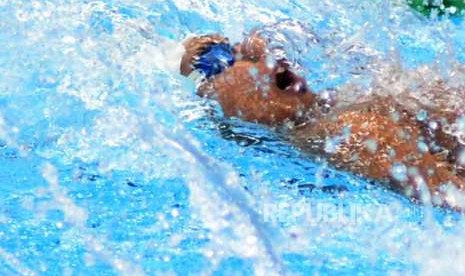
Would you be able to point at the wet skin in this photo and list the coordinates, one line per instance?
(378, 138)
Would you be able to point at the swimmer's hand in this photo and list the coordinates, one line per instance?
(194, 46)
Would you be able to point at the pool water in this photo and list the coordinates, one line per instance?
(111, 165)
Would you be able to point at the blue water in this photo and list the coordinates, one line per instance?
(110, 165)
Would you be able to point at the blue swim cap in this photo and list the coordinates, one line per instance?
(215, 59)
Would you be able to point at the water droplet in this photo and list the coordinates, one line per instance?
(422, 115)
(22, 16)
(413, 171)
(399, 172)
(253, 72)
(433, 125)
(332, 144)
(346, 132)
(270, 62)
(371, 145)
(392, 153)
(461, 159)
(446, 128)
(461, 124)
(395, 116)
(422, 147)
(175, 212)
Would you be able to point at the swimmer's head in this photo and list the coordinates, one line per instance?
(211, 54)
(253, 91)
(252, 85)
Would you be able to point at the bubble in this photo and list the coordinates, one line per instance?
(461, 138)
(461, 158)
(371, 145)
(325, 95)
(346, 132)
(332, 144)
(403, 134)
(433, 125)
(22, 16)
(413, 171)
(69, 39)
(355, 157)
(253, 72)
(175, 212)
(266, 79)
(270, 62)
(422, 147)
(447, 129)
(422, 115)
(399, 172)
(461, 124)
(392, 153)
(395, 116)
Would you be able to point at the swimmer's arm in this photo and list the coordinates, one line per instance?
(369, 144)
(445, 186)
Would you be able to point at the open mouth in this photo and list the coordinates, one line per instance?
(284, 79)
(288, 80)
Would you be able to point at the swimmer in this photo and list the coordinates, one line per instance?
(379, 138)
(428, 8)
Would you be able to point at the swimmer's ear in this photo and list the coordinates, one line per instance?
(194, 46)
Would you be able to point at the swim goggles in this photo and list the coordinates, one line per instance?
(214, 59)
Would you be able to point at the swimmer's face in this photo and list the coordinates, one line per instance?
(256, 91)
(256, 88)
